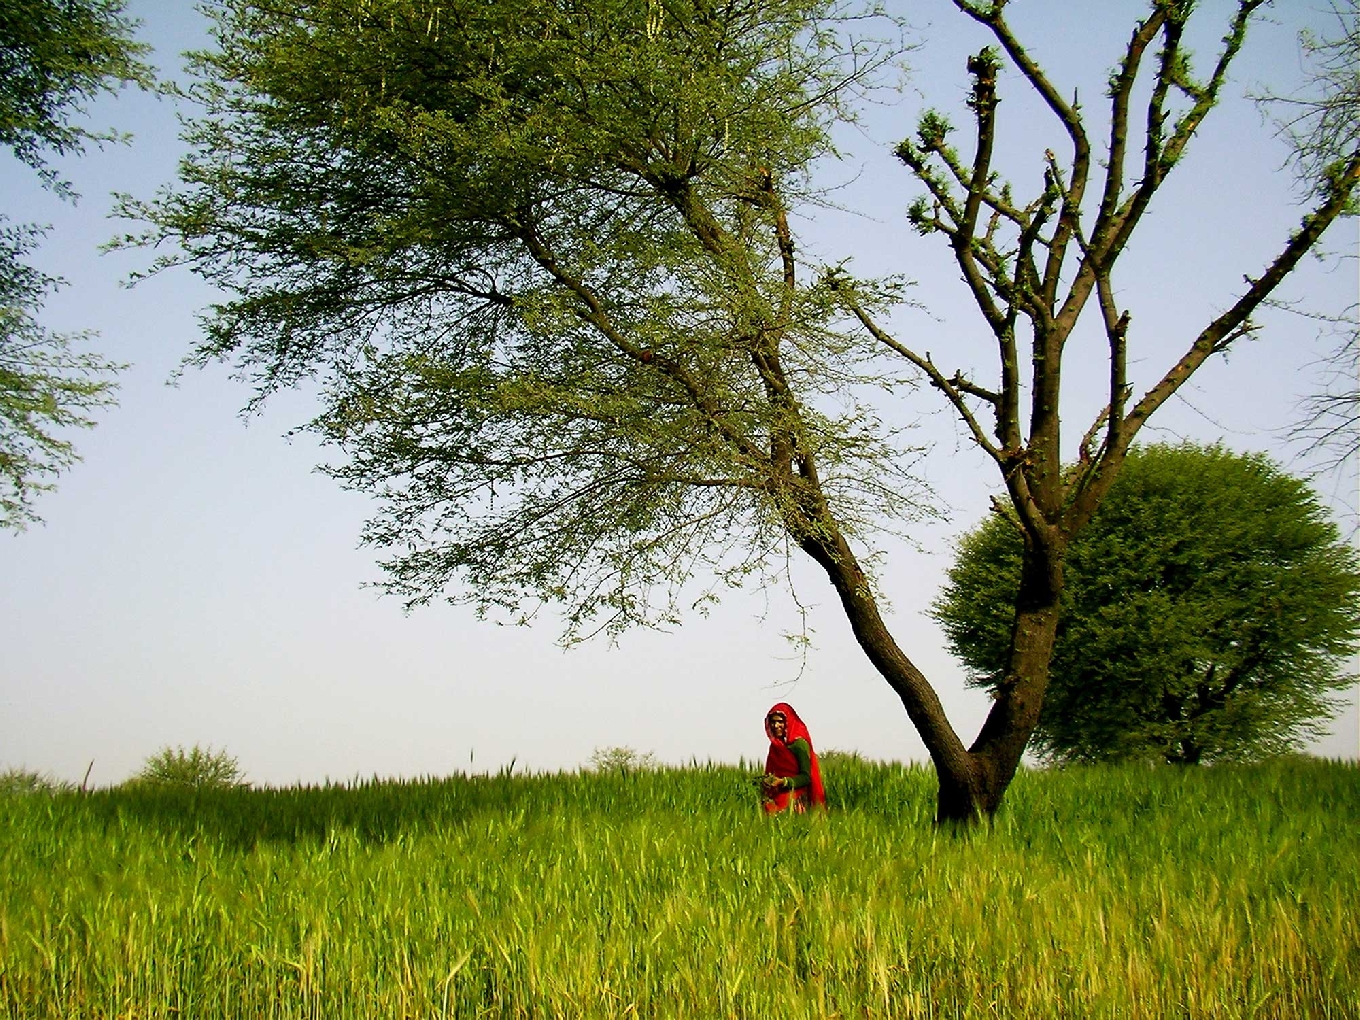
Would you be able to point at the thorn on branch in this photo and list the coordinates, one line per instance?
(1246, 329)
(964, 385)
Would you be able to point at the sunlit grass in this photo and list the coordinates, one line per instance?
(1118, 892)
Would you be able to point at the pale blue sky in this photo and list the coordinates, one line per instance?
(196, 582)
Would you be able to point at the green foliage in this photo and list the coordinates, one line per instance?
(55, 56)
(195, 769)
(47, 385)
(921, 216)
(932, 129)
(533, 254)
(1209, 608)
(1111, 892)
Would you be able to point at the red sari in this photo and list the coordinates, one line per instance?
(782, 762)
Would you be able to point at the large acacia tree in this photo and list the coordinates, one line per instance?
(538, 256)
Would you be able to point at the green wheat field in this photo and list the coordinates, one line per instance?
(1098, 892)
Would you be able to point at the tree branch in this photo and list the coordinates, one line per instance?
(593, 312)
(952, 390)
(1070, 117)
(1233, 323)
(1159, 158)
(1120, 92)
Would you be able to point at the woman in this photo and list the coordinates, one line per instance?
(792, 779)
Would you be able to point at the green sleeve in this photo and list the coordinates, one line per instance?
(803, 752)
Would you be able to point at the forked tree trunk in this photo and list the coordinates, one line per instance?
(923, 705)
(995, 755)
(972, 781)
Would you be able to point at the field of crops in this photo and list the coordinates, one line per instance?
(1099, 892)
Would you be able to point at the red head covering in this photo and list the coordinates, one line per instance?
(781, 762)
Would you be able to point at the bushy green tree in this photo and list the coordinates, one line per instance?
(1209, 610)
(55, 56)
(538, 257)
(196, 769)
(622, 759)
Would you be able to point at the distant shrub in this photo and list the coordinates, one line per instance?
(20, 781)
(622, 759)
(196, 769)
(836, 758)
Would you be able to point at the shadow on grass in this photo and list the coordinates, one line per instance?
(380, 811)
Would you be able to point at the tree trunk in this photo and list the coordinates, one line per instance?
(996, 753)
(952, 762)
(972, 781)
(961, 798)
(1184, 751)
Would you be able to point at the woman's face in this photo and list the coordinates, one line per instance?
(778, 725)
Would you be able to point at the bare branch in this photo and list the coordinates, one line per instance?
(993, 19)
(917, 160)
(1207, 96)
(1068, 114)
(1121, 88)
(1233, 323)
(1086, 454)
(1159, 158)
(952, 391)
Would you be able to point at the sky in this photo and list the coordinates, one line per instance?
(197, 582)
